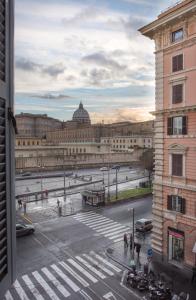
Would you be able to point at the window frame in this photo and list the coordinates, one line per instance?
(174, 169)
(174, 130)
(172, 63)
(173, 40)
(175, 99)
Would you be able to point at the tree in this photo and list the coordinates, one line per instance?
(147, 161)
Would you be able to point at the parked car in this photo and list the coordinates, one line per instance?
(24, 229)
(104, 169)
(143, 225)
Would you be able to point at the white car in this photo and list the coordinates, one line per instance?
(104, 169)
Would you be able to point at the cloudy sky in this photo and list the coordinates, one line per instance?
(69, 51)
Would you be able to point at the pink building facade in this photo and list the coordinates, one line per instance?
(174, 202)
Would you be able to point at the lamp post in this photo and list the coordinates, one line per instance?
(108, 182)
(133, 231)
(117, 170)
(64, 176)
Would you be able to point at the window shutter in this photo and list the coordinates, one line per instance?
(177, 93)
(7, 171)
(184, 124)
(169, 202)
(180, 62)
(177, 63)
(177, 161)
(183, 206)
(170, 126)
(174, 64)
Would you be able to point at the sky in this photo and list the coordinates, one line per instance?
(67, 51)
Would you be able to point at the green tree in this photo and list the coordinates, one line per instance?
(147, 161)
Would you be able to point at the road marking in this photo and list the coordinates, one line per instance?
(87, 217)
(106, 262)
(100, 224)
(115, 236)
(74, 274)
(55, 282)
(84, 214)
(98, 264)
(113, 233)
(72, 285)
(116, 227)
(21, 293)
(118, 240)
(108, 226)
(109, 295)
(84, 262)
(85, 295)
(95, 221)
(82, 270)
(45, 286)
(32, 287)
(8, 296)
(91, 219)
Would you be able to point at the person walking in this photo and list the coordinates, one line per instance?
(138, 248)
(58, 202)
(193, 275)
(125, 240)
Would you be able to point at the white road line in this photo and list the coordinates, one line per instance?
(84, 262)
(55, 282)
(115, 236)
(8, 296)
(107, 230)
(84, 214)
(108, 226)
(88, 217)
(45, 286)
(82, 270)
(95, 262)
(95, 221)
(85, 295)
(32, 287)
(92, 219)
(116, 269)
(103, 224)
(118, 240)
(21, 293)
(72, 285)
(74, 274)
(113, 233)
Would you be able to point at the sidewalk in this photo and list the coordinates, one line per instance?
(179, 279)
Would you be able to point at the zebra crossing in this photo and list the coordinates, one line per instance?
(103, 225)
(63, 279)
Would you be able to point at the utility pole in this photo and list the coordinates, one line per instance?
(133, 231)
(64, 176)
(108, 182)
(117, 183)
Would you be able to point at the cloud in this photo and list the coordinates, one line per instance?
(29, 66)
(101, 59)
(51, 96)
(122, 114)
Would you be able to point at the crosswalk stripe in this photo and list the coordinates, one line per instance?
(115, 236)
(84, 262)
(84, 214)
(82, 270)
(32, 287)
(21, 293)
(74, 274)
(118, 240)
(106, 262)
(91, 219)
(102, 224)
(110, 229)
(8, 296)
(45, 286)
(113, 233)
(95, 220)
(87, 217)
(72, 285)
(85, 295)
(95, 262)
(55, 282)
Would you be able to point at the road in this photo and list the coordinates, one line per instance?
(65, 258)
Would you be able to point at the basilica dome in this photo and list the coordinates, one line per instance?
(81, 115)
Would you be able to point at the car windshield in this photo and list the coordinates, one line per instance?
(139, 223)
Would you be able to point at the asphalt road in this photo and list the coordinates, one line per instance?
(66, 256)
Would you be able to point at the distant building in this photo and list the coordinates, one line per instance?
(174, 203)
(127, 143)
(36, 125)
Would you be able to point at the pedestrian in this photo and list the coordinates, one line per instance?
(58, 202)
(193, 275)
(131, 241)
(146, 268)
(19, 203)
(138, 248)
(125, 240)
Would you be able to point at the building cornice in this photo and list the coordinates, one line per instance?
(189, 7)
(174, 110)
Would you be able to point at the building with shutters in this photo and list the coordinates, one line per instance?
(7, 172)
(174, 203)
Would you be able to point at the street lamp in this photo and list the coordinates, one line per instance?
(108, 182)
(117, 170)
(41, 180)
(133, 230)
